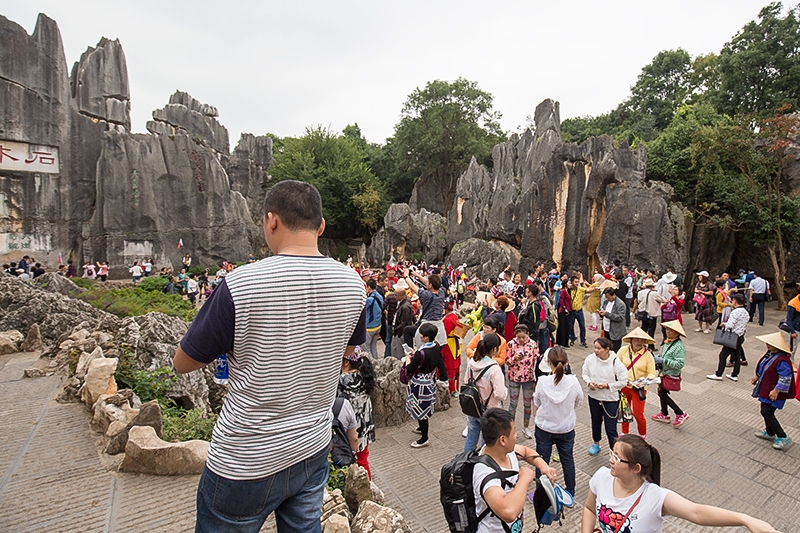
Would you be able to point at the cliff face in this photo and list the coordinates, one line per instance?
(94, 191)
(575, 205)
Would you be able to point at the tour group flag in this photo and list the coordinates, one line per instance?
(180, 243)
(60, 261)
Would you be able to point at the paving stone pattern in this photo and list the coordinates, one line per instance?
(51, 477)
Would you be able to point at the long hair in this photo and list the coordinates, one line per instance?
(364, 367)
(486, 346)
(640, 452)
(558, 358)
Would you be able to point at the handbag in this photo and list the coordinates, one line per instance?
(624, 412)
(671, 383)
(700, 299)
(641, 314)
(404, 377)
(726, 337)
(670, 311)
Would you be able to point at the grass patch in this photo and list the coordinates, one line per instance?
(83, 283)
(152, 283)
(138, 301)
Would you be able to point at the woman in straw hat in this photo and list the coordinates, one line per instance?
(672, 358)
(773, 385)
(639, 361)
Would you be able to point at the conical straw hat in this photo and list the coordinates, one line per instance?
(674, 325)
(608, 283)
(775, 340)
(638, 333)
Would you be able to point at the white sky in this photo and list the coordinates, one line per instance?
(280, 66)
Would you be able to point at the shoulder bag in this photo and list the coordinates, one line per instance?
(726, 337)
(641, 314)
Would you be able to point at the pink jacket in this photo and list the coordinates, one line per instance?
(492, 383)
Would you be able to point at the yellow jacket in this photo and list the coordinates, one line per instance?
(645, 367)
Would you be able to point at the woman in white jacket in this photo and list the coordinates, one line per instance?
(605, 376)
(556, 398)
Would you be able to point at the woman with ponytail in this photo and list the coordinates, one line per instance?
(355, 385)
(626, 496)
(491, 385)
(556, 398)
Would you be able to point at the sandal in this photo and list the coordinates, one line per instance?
(698, 330)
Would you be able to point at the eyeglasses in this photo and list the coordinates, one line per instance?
(616, 458)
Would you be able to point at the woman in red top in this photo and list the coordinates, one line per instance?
(451, 352)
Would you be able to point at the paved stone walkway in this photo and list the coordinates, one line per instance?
(52, 478)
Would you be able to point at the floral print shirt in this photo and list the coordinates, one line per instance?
(521, 360)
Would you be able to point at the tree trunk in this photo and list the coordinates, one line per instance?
(777, 288)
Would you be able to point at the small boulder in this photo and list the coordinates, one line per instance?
(108, 412)
(85, 359)
(33, 341)
(358, 488)
(149, 415)
(7, 344)
(99, 380)
(333, 503)
(336, 524)
(147, 454)
(15, 336)
(374, 518)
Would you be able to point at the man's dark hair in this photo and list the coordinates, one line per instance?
(495, 423)
(740, 298)
(296, 203)
(610, 290)
(533, 289)
(436, 281)
(372, 284)
(493, 281)
(428, 331)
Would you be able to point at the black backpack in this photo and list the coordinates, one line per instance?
(341, 453)
(470, 397)
(456, 492)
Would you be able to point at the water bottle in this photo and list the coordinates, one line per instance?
(221, 370)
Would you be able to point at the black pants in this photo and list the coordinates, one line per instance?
(562, 333)
(615, 344)
(736, 355)
(628, 304)
(604, 413)
(649, 326)
(759, 299)
(424, 425)
(667, 402)
(773, 427)
(408, 337)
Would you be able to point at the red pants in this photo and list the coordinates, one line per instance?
(637, 406)
(452, 366)
(362, 460)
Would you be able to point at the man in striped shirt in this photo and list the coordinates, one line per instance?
(285, 323)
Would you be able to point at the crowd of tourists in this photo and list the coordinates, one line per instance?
(522, 329)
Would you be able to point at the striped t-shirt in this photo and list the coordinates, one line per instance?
(285, 322)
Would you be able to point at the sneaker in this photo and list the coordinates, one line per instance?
(594, 449)
(418, 444)
(464, 433)
(714, 377)
(556, 457)
(527, 433)
(584, 345)
(659, 417)
(454, 394)
(592, 328)
(764, 435)
(572, 342)
(680, 419)
(781, 443)
(732, 378)
(744, 363)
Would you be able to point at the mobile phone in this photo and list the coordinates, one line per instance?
(407, 349)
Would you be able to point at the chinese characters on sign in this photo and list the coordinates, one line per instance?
(28, 157)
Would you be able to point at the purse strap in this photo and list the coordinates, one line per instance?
(619, 526)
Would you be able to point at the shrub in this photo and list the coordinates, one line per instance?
(186, 424)
(136, 301)
(196, 270)
(153, 283)
(83, 283)
(336, 476)
(146, 384)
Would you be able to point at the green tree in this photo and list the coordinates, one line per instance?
(661, 88)
(759, 70)
(442, 126)
(353, 200)
(669, 156)
(742, 162)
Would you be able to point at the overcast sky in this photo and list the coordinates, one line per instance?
(279, 67)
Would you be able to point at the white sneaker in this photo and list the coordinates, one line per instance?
(527, 433)
(714, 377)
(464, 433)
(732, 378)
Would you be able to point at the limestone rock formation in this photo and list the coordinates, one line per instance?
(110, 409)
(147, 454)
(8, 344)
(359, 488)
(99, 380)
(33, 340)
(485, 259)
(95, 191)
(406, 233)
(389, 396)
(333, 503)
(336, 524)
(148, 415)
(373, 518)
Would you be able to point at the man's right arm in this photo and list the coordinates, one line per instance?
(211, 332)
(508, 505)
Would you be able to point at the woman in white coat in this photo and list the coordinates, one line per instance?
(605, 376)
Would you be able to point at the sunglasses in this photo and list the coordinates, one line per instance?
(617, 459)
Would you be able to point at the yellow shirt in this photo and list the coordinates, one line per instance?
(577, 297)
(645, 367)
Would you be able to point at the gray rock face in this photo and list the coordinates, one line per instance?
(406, 233)
(483, 258)
(114, 195)
(389, 396)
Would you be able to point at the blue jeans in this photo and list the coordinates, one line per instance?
(564, 443)
(577, 316)
(473, 432)
(295, 494)
(758, 303)
(543, 340)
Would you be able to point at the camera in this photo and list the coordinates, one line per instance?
(659, 363)
(641, 394)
